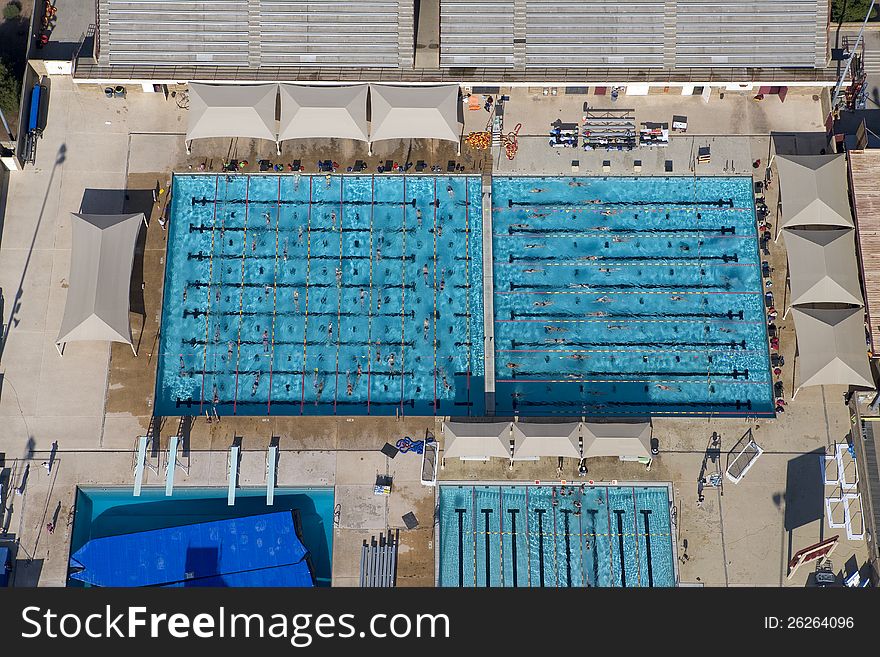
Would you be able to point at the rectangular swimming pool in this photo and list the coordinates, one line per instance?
(293, 294)
(627, 297)
(101, 512)
(555, 536)
(363, 295)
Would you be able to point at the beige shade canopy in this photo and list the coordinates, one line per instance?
(225, 110)
(414, 112)
(617, 439)
(831, 347)
(822, 266)
(328, 112)
(532, 440)
(101, 256)
(476, 439)
(814, 190)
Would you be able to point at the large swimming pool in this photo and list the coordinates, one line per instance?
(555, 536)
(296, 295)
(323, 295)
(628, 296)
(101, 512)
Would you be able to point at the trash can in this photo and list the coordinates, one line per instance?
(108, 91)
(119, 92)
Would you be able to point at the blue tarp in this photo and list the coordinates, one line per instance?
(232, 552)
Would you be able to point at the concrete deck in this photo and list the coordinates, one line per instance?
(97, 399)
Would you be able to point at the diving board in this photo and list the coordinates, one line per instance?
(140, 463)
(170, 462)
(271, 472)
(232, 472)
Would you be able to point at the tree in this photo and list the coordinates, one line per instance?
(10, 91)
(849, 11)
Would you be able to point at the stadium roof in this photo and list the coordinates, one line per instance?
(239, 33)
(489, 34)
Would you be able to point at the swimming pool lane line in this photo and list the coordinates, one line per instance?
(403, 303)
(467, 296)
(339, 296)
(636, 531)
(370, 310)
(302, 400)
(274, 300)
(241, 294)
(434, 315)
(528, 542)
(210, 280)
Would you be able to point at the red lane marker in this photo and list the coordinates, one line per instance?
(302, 400)
(247, 190)
(402, 298)
(274, 299)
(370, 313)
(207, 315)
(339, 298)
(434, 318)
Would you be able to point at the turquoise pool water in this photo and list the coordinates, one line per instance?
(628, 296)
(113, 511)
(320, 295)
(555, 536)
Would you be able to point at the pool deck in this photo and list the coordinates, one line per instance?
(97, 399)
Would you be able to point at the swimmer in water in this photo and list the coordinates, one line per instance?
(536, 190)
(676, 298)
(184, 294)
(299, 235)
(660, 386)
(612, 327)
(534, 246)
(577, 356)
(378, 254)
(604, 300)
(362, 295)
(338, 276)
(606, 270)
(425, 272)
(450, 191)
(542, 304)
(512, 366)
(419, 216)
(391, 360)
(519, 226)
(296, 299)
(597, 313)
(532, 271)
(575, 183)
(589, 257)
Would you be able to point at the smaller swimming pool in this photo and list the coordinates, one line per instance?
(113, 511)
(556, 536)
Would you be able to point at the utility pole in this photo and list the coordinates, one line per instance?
(835, 97)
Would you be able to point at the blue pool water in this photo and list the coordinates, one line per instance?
(112, 511)
(517, 536)
(628, 296)
(300, 294)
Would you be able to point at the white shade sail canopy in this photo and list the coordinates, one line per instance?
(814, 190)
(476, 439)
(225, 110)
(415, 112)
(831, 347)
(617, 439)
(531, 440)
(101, 256)
(339, 112)
(822, 266)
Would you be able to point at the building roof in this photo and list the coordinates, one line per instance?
(323, 112)
(414, 112)
(822, 266)
(532, 439)
(476, 439)
(831, 347)
(234, 33)
(101, 256)
(864, 166)
(617, 439)
(814, 190)
(232, 111)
